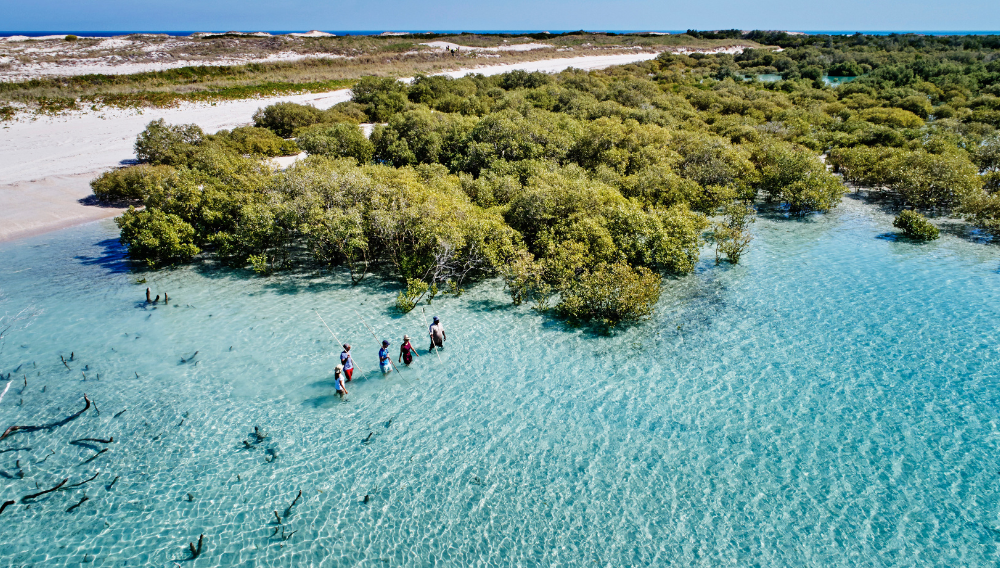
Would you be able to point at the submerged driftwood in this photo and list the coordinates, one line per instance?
(14, 429)
(34, 495)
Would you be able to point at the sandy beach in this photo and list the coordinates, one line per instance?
(50, 160)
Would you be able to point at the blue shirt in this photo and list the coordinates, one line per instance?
(383, 354)
(347, 361)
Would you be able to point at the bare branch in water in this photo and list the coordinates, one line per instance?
(5, 505)
(66, 420)
(82, 482)
(82, 501)
(98, 440)
(33, 495)
(288, 511)
(94, 457)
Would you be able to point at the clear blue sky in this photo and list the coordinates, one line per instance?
(247, 15)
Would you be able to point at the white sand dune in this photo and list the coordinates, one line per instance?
(446, 45)
(49, 160)
(114, 65)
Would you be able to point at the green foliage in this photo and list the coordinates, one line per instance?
(732, 236)
(983, 211)
(70, 37)
(921, 178)
(915, 226)
(343, 140)
(156, 237)
(161, 143)
(254, 141)
(407, 299)
(381, 96)
(894, 117)
(793, 176)
(129, 184)
(285, 118)
(421, 136)
(582, 188)
(929, 180)
(611, 294)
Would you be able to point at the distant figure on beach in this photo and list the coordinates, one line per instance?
(338, 380)
(347, 362)
(148, 299)
(437, 334)
(384, 361)
(166, 299)
(406, 351)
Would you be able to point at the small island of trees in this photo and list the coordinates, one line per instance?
(581, 189)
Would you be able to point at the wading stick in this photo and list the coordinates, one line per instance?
(432, 338)
(341, 344)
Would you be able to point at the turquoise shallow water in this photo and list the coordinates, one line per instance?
(831, 402)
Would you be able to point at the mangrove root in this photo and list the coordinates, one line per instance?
(34, 495)
(195, 552)
(189, 359)
(120, 413)
(82, 501)
(277, 516)
(5, 505)
(66, 420)
(113, 481)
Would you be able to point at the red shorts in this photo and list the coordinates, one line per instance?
(349, 372)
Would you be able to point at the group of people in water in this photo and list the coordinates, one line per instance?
(344, 372)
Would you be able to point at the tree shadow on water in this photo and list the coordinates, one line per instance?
(111, 257)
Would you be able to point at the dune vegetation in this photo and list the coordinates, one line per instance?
(582, 190)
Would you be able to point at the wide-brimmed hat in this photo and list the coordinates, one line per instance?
(340, 368)
(406, 338)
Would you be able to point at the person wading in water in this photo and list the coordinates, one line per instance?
(406, 351)
(437, 334)
(338, 380)
(347, 362)
(384, 361)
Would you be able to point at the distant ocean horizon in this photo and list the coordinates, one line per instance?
(377, 32)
